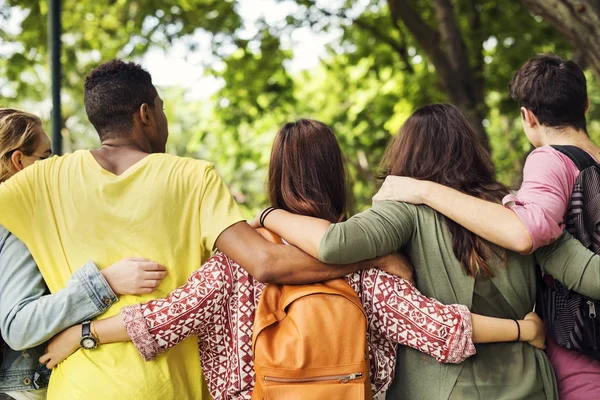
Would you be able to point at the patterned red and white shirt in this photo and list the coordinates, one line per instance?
(218, 305)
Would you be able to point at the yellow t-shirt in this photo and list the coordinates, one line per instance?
(69, 210)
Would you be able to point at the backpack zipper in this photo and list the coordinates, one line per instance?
(339, 378)
(592, 309)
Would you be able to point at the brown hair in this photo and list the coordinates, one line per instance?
(17, 132)
(306, 172)
(436, 143)
(553, 89)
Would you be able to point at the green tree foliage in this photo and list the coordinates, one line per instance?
(379, 66)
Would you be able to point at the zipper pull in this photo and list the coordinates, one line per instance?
(349, 378)
(592, 308)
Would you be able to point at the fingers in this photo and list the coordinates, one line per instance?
(155, 275)
(45, 358)
(150, 283)
(152, 266)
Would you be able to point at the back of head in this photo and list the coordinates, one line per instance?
(306, 171)
(553, 89)
(113, 92)
(436, 143)
(17, 132)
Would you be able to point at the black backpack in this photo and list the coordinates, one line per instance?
(571, 317)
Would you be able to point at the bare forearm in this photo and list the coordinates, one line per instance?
(294, 267)
(111, 330)
(491, 330)
(275, 263)
(301, 231)
(491, 221)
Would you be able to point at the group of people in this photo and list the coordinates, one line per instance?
(128, 273)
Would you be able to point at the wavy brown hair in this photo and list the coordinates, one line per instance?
(436, 143)
(306, 172)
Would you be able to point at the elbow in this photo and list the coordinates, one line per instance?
(522, 243)
(263, 268)
(328, 256)
(15, 341)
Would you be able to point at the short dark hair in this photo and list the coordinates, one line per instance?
(553, 89)
(113, 92)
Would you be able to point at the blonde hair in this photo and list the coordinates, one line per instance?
(17, 132)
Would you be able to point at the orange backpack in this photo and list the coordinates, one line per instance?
(310, 342)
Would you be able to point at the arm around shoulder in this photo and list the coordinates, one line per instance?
(276, 263)
(29, 315)
(384, 228)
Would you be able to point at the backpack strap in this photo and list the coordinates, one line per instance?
(580, 157)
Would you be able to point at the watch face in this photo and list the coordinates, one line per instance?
(88, 343)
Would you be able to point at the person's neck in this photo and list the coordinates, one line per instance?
(571, 137)
(118, 155)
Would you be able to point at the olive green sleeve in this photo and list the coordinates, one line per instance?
(572, 264)
(378, 231)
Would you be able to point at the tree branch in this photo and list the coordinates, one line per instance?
(427, 37)
(398, 47)
(578, 21)
(451, 36)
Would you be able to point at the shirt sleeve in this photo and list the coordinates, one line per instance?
(409, 318)
(384, 228)
(152, 325)
(543, 199)
(572, 264)
(17, 201)
(29, 315)
(218, 209)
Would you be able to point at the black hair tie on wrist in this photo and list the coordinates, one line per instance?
(264, 214)
(518, 330)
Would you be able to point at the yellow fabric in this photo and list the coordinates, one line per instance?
(69, 210)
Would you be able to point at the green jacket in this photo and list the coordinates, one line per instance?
(508, 370)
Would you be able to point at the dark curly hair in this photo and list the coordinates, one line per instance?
(113, 92)
(553, 89)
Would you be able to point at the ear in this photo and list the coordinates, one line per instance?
(145, 114)
(587, 105)
(529, 118)
(16, 160)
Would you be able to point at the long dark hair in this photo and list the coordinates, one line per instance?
(436, 143)
(306, 172)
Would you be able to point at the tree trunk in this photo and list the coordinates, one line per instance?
(578, 21)
(446, 50)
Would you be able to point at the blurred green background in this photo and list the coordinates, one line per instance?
(232, 72)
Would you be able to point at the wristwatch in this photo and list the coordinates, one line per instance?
(88, 340)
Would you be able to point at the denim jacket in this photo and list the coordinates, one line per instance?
(30, 315)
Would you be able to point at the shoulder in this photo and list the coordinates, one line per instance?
(186, 163)
(547, 157)
(549, 168)
(403, 211)
(390, 206)
(188, 171)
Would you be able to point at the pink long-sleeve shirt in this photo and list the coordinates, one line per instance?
(542, 204)
(218, 305)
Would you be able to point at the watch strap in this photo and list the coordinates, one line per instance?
(85, 329)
